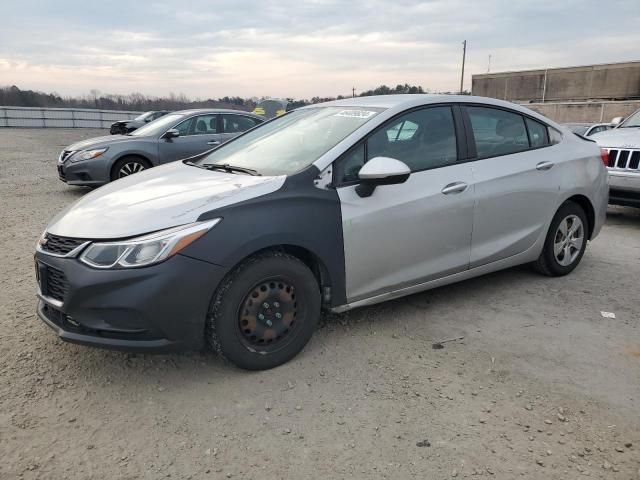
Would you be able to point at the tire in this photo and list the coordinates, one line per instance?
(131, 164)
(264, 311)
(566, 241)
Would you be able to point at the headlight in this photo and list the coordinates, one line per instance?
(88, 154)
(145, 250)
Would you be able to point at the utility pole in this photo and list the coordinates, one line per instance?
(464, 54)
(489, 65)
(353, 92)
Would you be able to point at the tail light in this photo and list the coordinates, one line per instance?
(604, 155)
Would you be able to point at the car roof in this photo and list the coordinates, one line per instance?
(194, 111)
(409, 100)
(404, 101)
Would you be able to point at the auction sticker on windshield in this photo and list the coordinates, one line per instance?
(356, 113)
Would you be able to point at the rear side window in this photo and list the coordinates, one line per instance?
(238, 123)
(538, 133)
(497, 132)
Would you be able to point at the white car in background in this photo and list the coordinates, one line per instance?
(588, 129)
(623, 145)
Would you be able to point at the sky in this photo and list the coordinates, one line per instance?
(301, 49)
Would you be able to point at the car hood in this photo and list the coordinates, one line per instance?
(618, 138)
(158, 198)
(98, 142)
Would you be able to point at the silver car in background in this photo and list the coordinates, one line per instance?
(332, 206)
(172, 137)
(588, 129)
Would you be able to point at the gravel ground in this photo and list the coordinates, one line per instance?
(542, 386)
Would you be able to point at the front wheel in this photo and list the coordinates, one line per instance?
(264, 311)
(128, 166)
(566, 241)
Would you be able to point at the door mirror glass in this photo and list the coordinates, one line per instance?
(615, 121)
(381, 171)
(171, 133)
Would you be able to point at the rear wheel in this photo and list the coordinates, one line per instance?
(264, 311)
(566, 241)
(128, 166)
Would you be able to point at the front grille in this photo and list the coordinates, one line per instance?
(60, 245)
(54, 284)
(624, 159)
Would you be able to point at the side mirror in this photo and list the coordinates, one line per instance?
(381, 171)
(171, 133)
(616, 121)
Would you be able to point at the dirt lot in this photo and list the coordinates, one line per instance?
(542, 386)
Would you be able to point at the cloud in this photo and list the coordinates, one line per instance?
(292, 48)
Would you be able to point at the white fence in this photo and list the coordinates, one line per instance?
(35, 117)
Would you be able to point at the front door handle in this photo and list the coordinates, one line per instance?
(455, 187)
(544, 166)
(213, 142)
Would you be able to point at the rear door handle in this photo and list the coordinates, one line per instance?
(544, 166)
(455, 187)
(213, 142)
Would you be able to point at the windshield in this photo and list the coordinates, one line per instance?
(292, 142)
(143, 116)
(632, 121)
(157, 127)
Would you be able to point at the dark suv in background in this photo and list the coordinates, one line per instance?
(122, 127)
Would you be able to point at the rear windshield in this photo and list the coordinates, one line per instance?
(292, 142)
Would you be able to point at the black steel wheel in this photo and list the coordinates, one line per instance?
(264, 311)
(267, 314)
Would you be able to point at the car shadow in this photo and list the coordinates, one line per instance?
(623, 216)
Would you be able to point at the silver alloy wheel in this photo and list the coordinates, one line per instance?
(568, 240)
(130, 168)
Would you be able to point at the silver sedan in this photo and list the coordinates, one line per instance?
(334, 206)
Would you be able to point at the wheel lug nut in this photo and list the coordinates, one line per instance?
(276, 304)
(278, 315)
(260, 317)
(269, 323)
(265, 305)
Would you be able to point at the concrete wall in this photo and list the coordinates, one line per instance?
(35, 117)
(607, 81)
(590, 112)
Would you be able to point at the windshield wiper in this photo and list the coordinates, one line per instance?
(227, 168)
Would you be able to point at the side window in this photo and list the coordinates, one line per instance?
(422, 139)
(349, 165)
(184, 127)
(497, 132)
(538, 133)
(202, 125)
(238, 123)
(555, 136)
